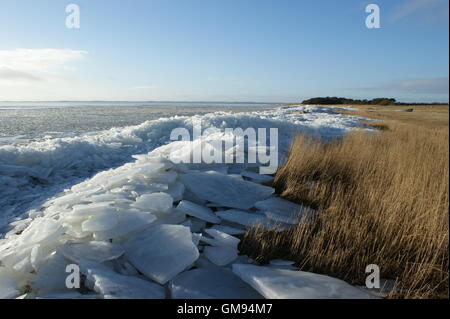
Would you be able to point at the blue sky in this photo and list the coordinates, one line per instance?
(223, 50)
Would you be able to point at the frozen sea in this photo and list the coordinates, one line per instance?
(96, 185)
(47, 147)
(22, 122)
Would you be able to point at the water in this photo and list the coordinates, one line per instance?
(22, 122)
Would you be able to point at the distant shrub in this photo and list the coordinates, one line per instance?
(342, 100)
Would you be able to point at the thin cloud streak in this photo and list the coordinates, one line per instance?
(9, 74)
(428, 9)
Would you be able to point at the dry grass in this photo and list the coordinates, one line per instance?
(381, 199)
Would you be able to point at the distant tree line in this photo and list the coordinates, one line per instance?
(332, 100)
(342, 100)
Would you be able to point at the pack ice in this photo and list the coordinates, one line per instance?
(153, 228)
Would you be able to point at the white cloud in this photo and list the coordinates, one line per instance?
(22, 65)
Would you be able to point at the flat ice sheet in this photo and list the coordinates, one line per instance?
(162, 251)
(225, 190)
(275, 283)
(211, 283)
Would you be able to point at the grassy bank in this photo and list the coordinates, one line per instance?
(381, 199)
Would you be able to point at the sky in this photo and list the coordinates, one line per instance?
(223, 50)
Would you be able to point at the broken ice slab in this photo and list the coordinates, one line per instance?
(173, 216)
(201, 212)
(8, 286)
(229, 230)
(162, 251)
(220, 256)
(97, 251)
(196, 225)
(51, 277)
(176, 190)
(110, 284)
(210, 283)
(76, 231)
(154, 202)
(101, 222)
(75, 197)
(290, 284)
(190, 196)
(91, 209)
(257, 178)
(113, 181)
(223, 239)
(146, 170)
(130, 221)
(165, 177)
(41, 230)
(279, 209)
(225, 190)
(241, 217)
(105, 197)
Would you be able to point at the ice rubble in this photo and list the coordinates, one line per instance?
(41, 169)
(149, 229)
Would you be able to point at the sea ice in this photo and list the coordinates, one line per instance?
(229, 230)
(101, 222)
(176, 190)
(113, 285)
(197, 225)
(210, 283)
(41, 230)
(257, 178)
(172, 216)
(8, 286)
(51, 277)
(241, 217)
(284, 211)
(87, 210)
(130, 221)
(162, 251)
(220, 256)
(198, 211)
(275, 283)
(155, 202)
(98, 251)
(227, 191)
(223, 239)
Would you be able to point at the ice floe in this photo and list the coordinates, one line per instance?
(211, 283)
(162, 252)
(225, 190)
(289, 284)
(198, 211)
(220, 256)
(284, 211)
